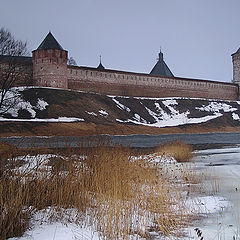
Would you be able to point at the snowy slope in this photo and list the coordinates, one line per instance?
(53, 105)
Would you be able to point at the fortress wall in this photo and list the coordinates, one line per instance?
(132, 84)
(22, 76)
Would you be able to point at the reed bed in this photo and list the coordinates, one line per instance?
(117, 196)
(179, 150)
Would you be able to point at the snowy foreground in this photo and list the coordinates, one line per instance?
(219, 207)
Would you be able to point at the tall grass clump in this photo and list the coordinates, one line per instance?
(181, 151)
(119, 197)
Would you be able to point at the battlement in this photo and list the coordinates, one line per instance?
(49, 69)
(113, 82)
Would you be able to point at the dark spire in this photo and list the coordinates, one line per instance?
(49, 43)
(237, 52)
(100, 66)
(161, 67)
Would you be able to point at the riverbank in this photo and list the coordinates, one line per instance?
(24, 128)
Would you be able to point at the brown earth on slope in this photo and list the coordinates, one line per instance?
(102, 114)
(84, 129)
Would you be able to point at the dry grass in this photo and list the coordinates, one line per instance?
(86, 129)
(181, 151)
(7, 150)
(117, 196)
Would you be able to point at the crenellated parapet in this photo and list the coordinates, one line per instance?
(113, 82)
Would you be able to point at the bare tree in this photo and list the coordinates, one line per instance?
(14, 68)
(72, 62)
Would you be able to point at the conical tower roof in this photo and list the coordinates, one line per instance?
(100, 66)
(161, 68)
(50, 43)
(237, 52)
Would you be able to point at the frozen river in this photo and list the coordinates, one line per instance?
(223, 165)
(129, 140)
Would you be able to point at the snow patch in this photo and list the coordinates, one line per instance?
(216, 107)
(170, 120)
(91, 113)
(45, 228)
(14, 103)
(41, 104)
(60, 119)
(235, 116)
(155, 159)
(207, 204)
(103, 112)
(120, 105)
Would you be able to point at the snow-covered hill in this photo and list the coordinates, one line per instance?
(54, 105)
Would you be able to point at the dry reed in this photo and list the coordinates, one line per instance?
(117, 196)
(181, 151)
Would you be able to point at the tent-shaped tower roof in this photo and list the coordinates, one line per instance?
(161, 68)
(100, 66)
(237, 52)
(50, 43)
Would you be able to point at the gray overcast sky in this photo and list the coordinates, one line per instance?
(197, 36)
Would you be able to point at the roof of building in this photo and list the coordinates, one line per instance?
(237, 52)
(161, 68)
(50, 43)
(100, 66)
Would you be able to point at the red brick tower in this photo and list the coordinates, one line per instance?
(50, 64)
(236, 66)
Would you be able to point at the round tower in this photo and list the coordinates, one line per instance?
(236, 66)
(50, 64)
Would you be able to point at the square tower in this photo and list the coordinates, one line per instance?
(50, 64)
